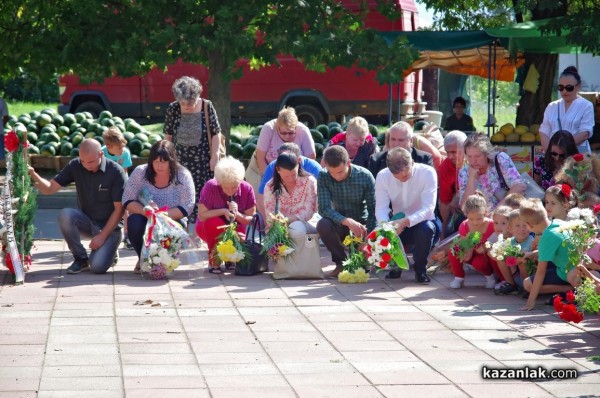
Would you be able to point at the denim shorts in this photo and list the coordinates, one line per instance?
(551, 277)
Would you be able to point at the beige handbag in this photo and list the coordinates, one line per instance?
(303, 263)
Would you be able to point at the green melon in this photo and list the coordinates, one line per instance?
(145, 153)
(107, 122)
(90, 134)
(319, 148)
(34, 115)
(381, 139)
(236, 150)
(99, 139)
(146, 145)
(49, 111)
(74, 126)
(334, 124)
(69, 119)
(58, 120)
(323, 129)
(43, 120)
(48, 129)
(154, 138)
(256, 131)
(33, 150)
(47, 150)
(235, 137)
(25, 119)
(316, 136)
(142, 137)
(373, 130)
(79, 116)
(32, 137)
(32, 127)
(104, 115)
(128, 135)
(74, 152)
(135, 146)
(248, 151)
(333, 131)
(66, 148)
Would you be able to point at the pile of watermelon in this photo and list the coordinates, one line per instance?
(243, 147)
(51, 134)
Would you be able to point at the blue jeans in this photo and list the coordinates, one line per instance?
(422, 236)
(73, 225)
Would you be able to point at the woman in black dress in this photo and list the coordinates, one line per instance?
(186, 125)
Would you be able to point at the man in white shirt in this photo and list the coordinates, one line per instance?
(411, 189)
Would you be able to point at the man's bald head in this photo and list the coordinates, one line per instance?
(90, 154)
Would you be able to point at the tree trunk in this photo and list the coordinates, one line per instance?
(532, 106)
(219, 90)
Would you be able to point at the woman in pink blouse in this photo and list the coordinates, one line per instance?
(296, 194)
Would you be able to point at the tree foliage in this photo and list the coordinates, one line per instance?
(98, 38)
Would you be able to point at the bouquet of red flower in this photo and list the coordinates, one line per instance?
(567, 311)
(384, 247)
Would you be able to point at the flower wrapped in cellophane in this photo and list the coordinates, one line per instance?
(277, 242)
(504, 250)
(164, 239)
(385, 248)
(353, 268)
(230, 247)
(461, 244)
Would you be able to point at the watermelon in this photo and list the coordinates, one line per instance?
(99, 139)
(79, 116)
(32, 127)
(236, 150)
(373, 130)
(69, 119)
(154, 138)
(74, 152)
(43, 120)
(333, 131)
(334, 124)
(128, 135)
(66, 148)
(25, 119)
(142, 137)
(107, 122)
(49, 111)
(34, 115)
(32, 137)
(135, 146)
(256, 131)
(146, 145)
(145, 153)
(248, 151)
(381, 139)
(235, 137)
(319, 148)
(47, 150)
(316, 136)
(73, 127)
(58, 120)
(323, 129)
(52, 137)
(33, 150)
(104, 115)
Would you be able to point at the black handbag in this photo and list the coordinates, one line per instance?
(258, 262)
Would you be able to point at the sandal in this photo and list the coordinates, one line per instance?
(229, 266)
(215, 270)
(137, 270)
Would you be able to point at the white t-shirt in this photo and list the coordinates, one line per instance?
(579, 117)
(415, 197)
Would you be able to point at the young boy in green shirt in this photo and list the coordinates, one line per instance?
(553, 260)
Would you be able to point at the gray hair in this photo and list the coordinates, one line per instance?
(455, 137)
(186, 89)
(229, 170)
(358, 126)
(481, 142)
(398, 159)
(403, 126)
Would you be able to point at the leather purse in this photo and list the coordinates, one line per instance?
(303, 263)
(258, 262)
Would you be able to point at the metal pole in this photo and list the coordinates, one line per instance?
(489, 88)
(390, 104)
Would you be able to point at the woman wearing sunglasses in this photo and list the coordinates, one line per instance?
(561, 146)
(571, 112)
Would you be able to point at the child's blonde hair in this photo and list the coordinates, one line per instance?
(475, 202)
(502, 211)
(560, 191)
(514, 215)
(113, 136)
(532, 211)
(513, 200)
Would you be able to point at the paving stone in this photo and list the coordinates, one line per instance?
(429, 391)
(263, 392)
(321, 391)
(501, 390)
(164, 382)
(167, 393)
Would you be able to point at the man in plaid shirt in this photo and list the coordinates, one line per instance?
(346, 195)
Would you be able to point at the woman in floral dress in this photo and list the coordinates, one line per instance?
(561, 146)
(186, 126)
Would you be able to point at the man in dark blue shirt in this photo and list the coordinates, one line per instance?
(99, 183)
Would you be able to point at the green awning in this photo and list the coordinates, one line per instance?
(423, 40)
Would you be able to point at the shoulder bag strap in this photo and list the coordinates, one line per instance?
(499, 171)
(277, 192)
(206, 120)
(558, 115)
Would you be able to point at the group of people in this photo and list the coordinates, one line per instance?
(425, 191)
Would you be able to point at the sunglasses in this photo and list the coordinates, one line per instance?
(568, 87)
(557, 155)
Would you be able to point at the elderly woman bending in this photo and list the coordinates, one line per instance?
(481, 174)
(359, 144)
(448, 181)
(224, 199)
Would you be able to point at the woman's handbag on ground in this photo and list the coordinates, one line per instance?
(259, 262)
(303, 263)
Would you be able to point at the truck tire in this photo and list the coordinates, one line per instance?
(90, 106)
(310, 115)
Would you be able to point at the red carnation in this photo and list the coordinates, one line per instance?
(558, 304)
(511, 261)
(11, 141)
(597, 209)
(578, 157)
(382, 264)
(368, 249)
(372, 235)
(386, 257)
(570, 296)
(385, 242)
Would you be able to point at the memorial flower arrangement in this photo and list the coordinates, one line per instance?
(581, 229)
(277, 242)
(354, 271)
(505, 250)
(586, 296)
(567, 310)
(164, 238)
(230, 247)
(385, 248)
(461, 244)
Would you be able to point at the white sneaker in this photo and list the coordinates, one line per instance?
(499, 285)
(457, 283)
(490, 281)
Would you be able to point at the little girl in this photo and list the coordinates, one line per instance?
(475, 209)
(558, 201)
(500, 219)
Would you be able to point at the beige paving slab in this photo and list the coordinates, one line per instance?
(81, 383)
(428, 390)
(104, 370)
(167, 393)
(138, 370)
(358, 391)
(508, 389)
(258, 380)
(264, 392)
(81, 393)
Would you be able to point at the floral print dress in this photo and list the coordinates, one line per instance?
(488, 183)
(540, 168)
(191, 142)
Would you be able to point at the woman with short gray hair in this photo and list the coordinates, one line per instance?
(450, 211)
(187, 123)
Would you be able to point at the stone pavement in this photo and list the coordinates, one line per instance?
(204, 335)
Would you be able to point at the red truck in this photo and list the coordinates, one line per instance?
(258, 95)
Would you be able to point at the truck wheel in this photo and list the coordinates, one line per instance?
(309, 115)
(90, 106)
